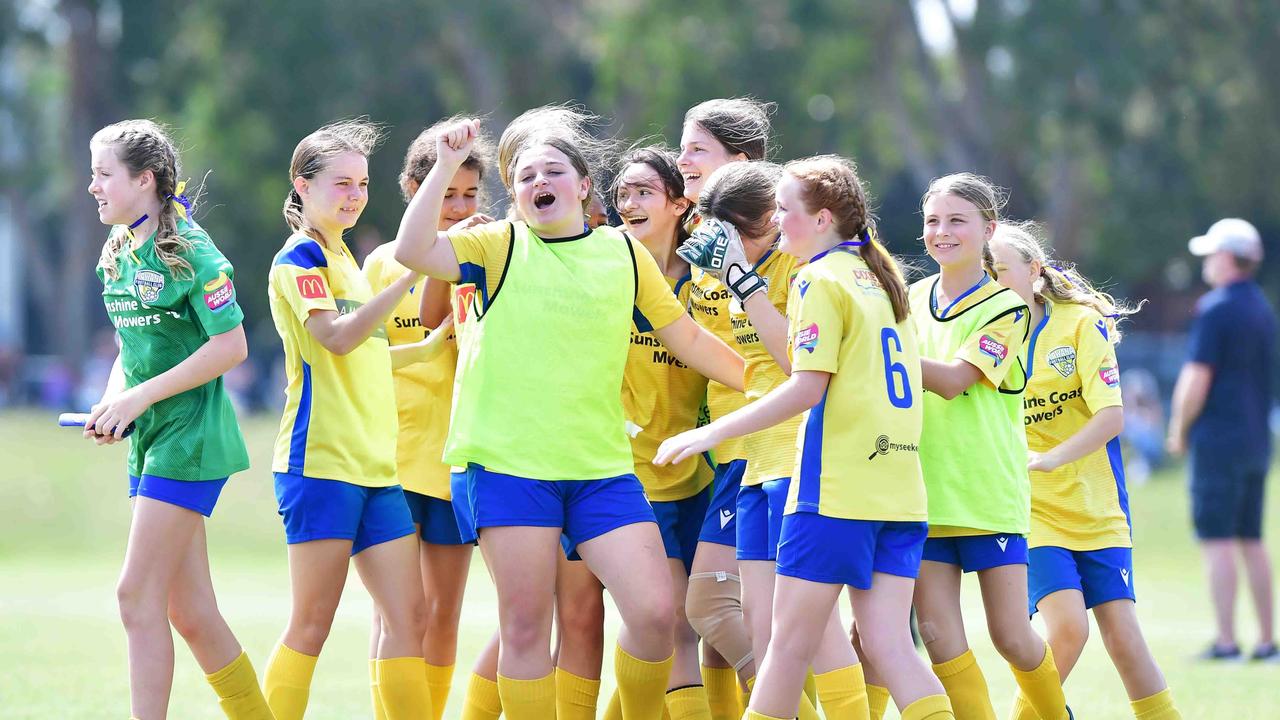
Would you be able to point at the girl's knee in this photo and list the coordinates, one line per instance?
(1070, 631)
(1017, 644)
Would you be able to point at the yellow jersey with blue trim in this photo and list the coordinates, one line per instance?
(424, 391)
(662, 397)
(771, 452)
(339, 418)
(973, 450)
(709, 305)
(857, 454)
(1083, 505)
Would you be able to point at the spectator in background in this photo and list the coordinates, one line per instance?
(1220, 408)
(1144, 430)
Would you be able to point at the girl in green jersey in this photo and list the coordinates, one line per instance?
(169, 293)
(542, 437)
(971, 333)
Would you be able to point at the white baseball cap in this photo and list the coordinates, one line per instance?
(1236, 236)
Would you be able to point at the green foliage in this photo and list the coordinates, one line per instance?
(1126, 126)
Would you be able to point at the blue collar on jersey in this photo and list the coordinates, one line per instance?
(1035, 335)
(842, 247)
(933, 298)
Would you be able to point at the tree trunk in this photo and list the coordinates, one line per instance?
(88, 94)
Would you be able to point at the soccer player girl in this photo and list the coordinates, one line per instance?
(742, 195)
(335, 455)
(424, 393)
(1081, 554)
(973, 452)
(716, 133)
(169, 294)
(538, 421)
(858, 389)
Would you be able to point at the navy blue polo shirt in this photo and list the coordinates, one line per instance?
(1234, 332)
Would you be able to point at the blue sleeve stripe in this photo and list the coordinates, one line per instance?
(809, 494)
(1117, 470)
(642, 323)
(301, 425)
(304, 253)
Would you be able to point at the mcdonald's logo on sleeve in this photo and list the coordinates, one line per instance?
(311, 286)
(463, 297)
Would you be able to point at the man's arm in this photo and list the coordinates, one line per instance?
(1188, 401)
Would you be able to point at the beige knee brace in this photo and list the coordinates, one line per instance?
(714, 608)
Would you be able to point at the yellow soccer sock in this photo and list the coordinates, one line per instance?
(402, 685)
(481, 701)
(528, 699)
(753, 715)
(689, 703)
(575, 696)
(378, 712)
(843, 693)
(811, 687)
(723, 694)
(1043, 688)
(1156, 707)
(440, 680)
(642, 685)
(966, 687)
(877, 701)
(1022, 709)
(238, 691)
(929, 707)
(614, 709)
(746, 694)
(287, 682)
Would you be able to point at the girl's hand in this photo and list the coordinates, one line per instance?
(453, 144)
(110, 417)
(687, 444)
(473, 221)
(1042, 462)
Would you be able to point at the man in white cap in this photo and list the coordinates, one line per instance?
(1220, 411)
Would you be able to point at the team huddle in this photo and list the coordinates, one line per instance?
(724, 412)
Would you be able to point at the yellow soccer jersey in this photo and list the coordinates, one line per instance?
(709, 305)
(1082, 505)
(663, 397)
(424, 391)
(339, 415)
(973, 449)
(771, 452)
(857, 454)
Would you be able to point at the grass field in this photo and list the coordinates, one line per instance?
(63, 523)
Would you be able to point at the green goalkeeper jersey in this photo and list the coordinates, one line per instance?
(162, 317)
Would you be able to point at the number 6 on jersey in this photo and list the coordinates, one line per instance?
(892, 369)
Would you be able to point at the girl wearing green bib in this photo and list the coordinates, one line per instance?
(169, 293)
(973, 453)
(537, 415)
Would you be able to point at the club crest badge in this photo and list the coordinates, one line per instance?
(148, 284)
(1063, 359)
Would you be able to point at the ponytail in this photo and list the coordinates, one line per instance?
(888, 272)
(830, 181)
(1061, 283)
(293, 211)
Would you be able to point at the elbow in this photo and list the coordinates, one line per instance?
(406, 258)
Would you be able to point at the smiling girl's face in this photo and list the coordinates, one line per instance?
(954, 231)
